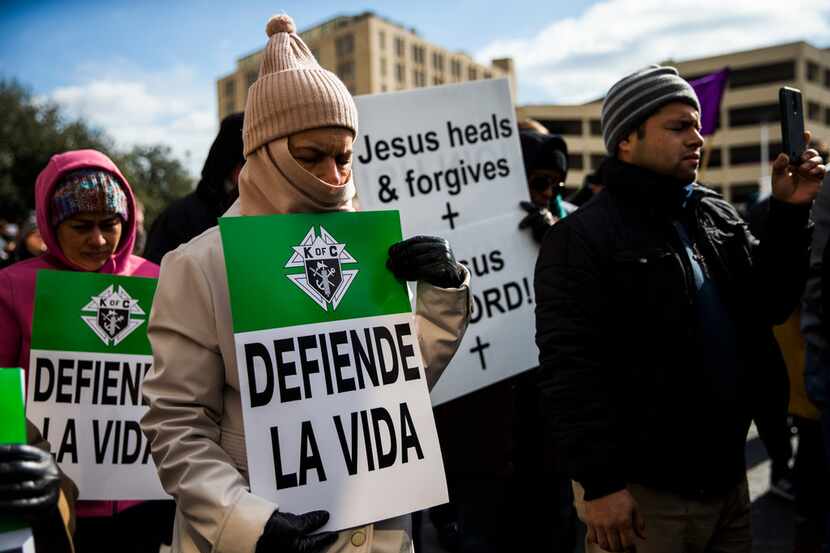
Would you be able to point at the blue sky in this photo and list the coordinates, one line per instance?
(145, 71)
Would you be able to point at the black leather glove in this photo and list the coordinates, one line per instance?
(29, 480)
(539, 219)
(426, 258)
(288, 533)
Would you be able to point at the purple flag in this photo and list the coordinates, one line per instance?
(709, 90)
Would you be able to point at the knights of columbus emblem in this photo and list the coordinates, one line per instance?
(114, 317)
(324, 279)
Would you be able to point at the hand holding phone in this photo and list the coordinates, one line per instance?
(792, 123)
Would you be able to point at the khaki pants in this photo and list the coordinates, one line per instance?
(676, 524)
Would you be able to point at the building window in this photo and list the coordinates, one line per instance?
(399, 47)
(455, 69)
(418, 54)
(436, 80)
(827, 116)
(251, 78)
(472, 73)
(596, 127)
(488, 75)
(438, 61)
(575, 162)
(230, 87)
(813, 111)
(743, 155)
(344, 45)
(418, 78)
(813, 71)
(382, 67)
(762, 74)
(399, 74)
(827, 78)
(345, 70)
(596, 161)
(754, 115)
(715, 158)
(382, 40)
(572, 127)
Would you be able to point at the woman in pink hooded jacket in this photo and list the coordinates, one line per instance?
(86, 215)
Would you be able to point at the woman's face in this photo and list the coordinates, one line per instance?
(89, 239)
(326, 153)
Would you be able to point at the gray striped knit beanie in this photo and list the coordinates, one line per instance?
(293, 93)
(636, 97)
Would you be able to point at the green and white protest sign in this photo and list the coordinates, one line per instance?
(334, 396)
(89, 356)
(453, 167)
(15, 535)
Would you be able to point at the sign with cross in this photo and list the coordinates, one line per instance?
(454, 169)
(334, 394)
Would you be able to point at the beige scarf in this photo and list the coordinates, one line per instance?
(273, 182)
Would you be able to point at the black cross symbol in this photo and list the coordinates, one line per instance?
(450, 215)
(479, 349)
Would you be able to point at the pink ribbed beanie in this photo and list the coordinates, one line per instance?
(293, 93)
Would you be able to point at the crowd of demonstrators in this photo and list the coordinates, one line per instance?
(86, 214)
(218, 188)
(654, 310)
(299, 127)
(664, 324)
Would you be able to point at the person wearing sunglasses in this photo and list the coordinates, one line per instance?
(546, 165)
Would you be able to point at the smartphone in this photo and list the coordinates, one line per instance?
(792, 123)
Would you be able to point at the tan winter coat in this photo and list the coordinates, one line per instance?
(195, 418)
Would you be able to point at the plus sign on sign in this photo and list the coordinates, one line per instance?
(445, 156)
(449, 159)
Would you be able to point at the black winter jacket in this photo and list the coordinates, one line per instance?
(621, 368)
(200, 210)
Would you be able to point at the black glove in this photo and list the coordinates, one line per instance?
(288, 533)
(29, 480)
(426, 258)
(539, 219)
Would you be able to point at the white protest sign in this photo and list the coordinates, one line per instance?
(89, 356)
(449, 158)
(445, 156)
(499, 342)
(334, 396)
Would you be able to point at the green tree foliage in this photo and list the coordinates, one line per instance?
(32, 131)
(156, 177)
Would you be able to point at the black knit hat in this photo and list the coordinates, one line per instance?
(636, 97)
(544, 151)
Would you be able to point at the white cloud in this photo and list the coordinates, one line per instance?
(576, 59)
(174, 107)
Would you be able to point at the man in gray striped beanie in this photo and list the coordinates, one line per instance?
(636, 97)
(653, 315)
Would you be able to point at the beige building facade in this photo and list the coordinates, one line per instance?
(370, 54)
(749, 106)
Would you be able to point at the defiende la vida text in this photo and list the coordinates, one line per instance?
(377, 356)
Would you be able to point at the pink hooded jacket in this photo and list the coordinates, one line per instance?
(17, 282)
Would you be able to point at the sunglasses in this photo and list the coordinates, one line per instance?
(541, 183)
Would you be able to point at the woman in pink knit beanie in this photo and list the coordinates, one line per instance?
(300, 126)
